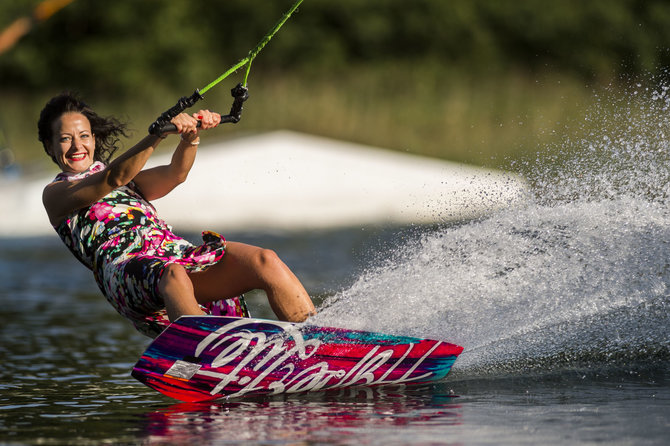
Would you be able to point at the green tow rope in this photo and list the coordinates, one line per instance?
(162, 124)
(254, 52)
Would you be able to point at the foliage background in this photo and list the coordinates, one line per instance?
(470, 80)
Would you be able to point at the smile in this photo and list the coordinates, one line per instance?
(77, 156)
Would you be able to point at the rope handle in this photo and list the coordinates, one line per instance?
(162, 125)
(158, 127)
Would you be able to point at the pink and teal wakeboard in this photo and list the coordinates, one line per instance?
(200, 358)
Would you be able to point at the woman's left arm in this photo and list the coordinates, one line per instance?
(158, 181)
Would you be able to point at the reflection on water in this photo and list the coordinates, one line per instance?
(347, 416)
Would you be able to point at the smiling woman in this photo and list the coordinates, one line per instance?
(101, 211)
(106, 130)
(76, 143)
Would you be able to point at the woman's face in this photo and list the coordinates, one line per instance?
(72, 143)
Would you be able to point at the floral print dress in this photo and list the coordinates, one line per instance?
(127, 246)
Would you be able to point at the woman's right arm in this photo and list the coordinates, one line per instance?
(61, 198)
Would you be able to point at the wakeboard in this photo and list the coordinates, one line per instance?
(201, 358)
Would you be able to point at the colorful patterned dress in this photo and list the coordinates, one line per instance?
(127, 246)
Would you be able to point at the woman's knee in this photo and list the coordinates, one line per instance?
(243, 268)
(269, 267)
(176, 290)
(266, 258)
(173, 274)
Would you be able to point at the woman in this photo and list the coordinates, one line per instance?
(102, 212)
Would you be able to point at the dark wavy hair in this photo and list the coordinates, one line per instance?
(107, 130)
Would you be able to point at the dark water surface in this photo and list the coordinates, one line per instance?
(67, 358)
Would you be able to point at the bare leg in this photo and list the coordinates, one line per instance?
(177, 292)
(245, 268)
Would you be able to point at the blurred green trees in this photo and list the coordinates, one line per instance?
(371, 59)
(124, 46)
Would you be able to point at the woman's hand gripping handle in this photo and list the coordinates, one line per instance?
(163, 125)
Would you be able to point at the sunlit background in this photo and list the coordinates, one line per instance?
(476, 81)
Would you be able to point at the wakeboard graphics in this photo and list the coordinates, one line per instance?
(201, 358)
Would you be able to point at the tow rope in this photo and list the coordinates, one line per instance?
(162, 124)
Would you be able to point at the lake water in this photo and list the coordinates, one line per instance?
(562, 305)
(67, 358)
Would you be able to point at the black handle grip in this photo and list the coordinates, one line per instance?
(157, 128)
(163, 126)
(171, 128)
